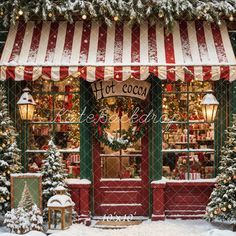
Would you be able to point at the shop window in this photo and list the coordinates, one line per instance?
(57, 115)
(188, 141)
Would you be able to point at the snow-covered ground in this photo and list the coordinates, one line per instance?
(147, 228)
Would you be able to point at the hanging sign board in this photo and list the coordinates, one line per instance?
(28, 186)
(129, 88)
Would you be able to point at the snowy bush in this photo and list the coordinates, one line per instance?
(20, 221)
(17, 220)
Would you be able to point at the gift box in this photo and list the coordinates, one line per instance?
(209, 171)
(73, 158)
(74, 171)
(41, 131)
(193, 176)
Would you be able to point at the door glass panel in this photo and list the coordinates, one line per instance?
(125, 163)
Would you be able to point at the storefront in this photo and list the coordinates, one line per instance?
(77, 70)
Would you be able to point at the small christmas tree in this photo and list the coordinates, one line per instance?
(222, 205)
(26, 201)
(9, 153)
(53, 172)
(36, 219)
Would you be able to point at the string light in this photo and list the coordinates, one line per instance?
(116, 18)
(231, 18)
(20, 12)
(50, 14)
(224, 209)
(160, 14)
(84, 17)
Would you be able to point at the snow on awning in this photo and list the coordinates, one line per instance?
(56, 50)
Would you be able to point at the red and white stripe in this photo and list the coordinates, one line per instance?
(57, 50)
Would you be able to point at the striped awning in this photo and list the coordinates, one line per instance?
(56, 50)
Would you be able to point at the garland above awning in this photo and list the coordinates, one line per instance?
(194, 50)
(166, 11)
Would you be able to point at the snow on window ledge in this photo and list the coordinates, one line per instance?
(78, 181)
(165, 180)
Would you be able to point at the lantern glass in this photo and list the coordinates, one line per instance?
(209, 112)
(68, 218)
(55, 221)
(26, 111)
(209, 107)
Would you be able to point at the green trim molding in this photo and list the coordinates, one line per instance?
(232, 100)
(155, 146)
(222, 119)
(86, 105)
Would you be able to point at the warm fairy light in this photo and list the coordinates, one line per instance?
(20, 12)
(224, 209)
(116, 18)
(84, 17)
(231, 18)
(160, 14)
(50, 14)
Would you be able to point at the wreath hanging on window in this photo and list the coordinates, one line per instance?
(122, 138)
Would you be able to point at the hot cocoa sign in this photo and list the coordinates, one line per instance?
(129, 88)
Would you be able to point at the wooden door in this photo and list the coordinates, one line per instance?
(121, 196)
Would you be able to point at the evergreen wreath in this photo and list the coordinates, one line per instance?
(127, 137)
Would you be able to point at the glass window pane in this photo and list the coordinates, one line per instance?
(70, 159)
(175, 136)
(44, 107)
(188, 165)
(39, 136)
(122, 167)
(174, 107)
(67, 136)
(202, 134)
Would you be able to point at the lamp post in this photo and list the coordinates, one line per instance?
(209, 106)
(26, 106)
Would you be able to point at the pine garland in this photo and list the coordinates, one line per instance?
(134, 11)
